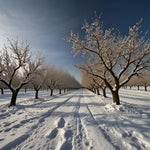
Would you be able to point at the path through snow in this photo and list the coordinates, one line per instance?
(78, 120)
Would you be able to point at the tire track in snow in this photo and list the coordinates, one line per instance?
(79, 139)
(105, 135)
(74, 134)
(90, 123)
(120, 137)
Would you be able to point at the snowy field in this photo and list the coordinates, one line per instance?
(77, 120)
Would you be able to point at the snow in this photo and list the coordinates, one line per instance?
(77, 120)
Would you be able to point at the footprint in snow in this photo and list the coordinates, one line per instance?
(53, 134)
(68, 134)
(7, 124)
(16, 126)
(61, 123)
(7, 130)
(86, 143)
(68, 144)
(1, 139)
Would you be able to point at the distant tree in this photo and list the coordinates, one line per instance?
(121, 57)
(135, 81)
(100, 84)
(61, 80)
(145, 79)
(66, 81)
(38, 80)
(140, 80)
(17, 67)
(89, 81)
(51, 78)
(69, 82)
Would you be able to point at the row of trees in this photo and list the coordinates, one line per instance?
(19, 69)
(110, 56)
(142, 79)
(93, 83)
(50, 77)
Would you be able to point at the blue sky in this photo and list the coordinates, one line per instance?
(44, 23)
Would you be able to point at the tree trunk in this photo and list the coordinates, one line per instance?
(94, 90)
(145, 86)
(138, 87)
(25, 90)
(13, 98)
(64, 90)
(130, 87)
(59, 91)
(36, 94)
(51, 92)
(104, 92)
(97, 91)
(2, 91)
(115, 95)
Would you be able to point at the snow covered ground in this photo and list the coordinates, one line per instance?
(78, 120)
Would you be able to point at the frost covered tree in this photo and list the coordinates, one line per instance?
(51, 78)
(140, 80)
(121, 57)
(17, 67)
(100, 84)
(57, 78)
(145, 79)
(66, 81)
(87, 81)
(69, 82)
(63, 79)
(133, 82)
(91, 82)
(38, 80)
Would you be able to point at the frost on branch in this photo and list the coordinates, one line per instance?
(17, 66)
(120, 57)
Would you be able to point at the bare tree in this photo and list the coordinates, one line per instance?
(51, 78)
(87, 81)
(118, 55)
(140, 80)
(69, 82)
(91, 82)
(18, 67)
(145, 79)
(61, 80)
(66, 81)
(38, 80)
(100, 84)
(135, 81)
